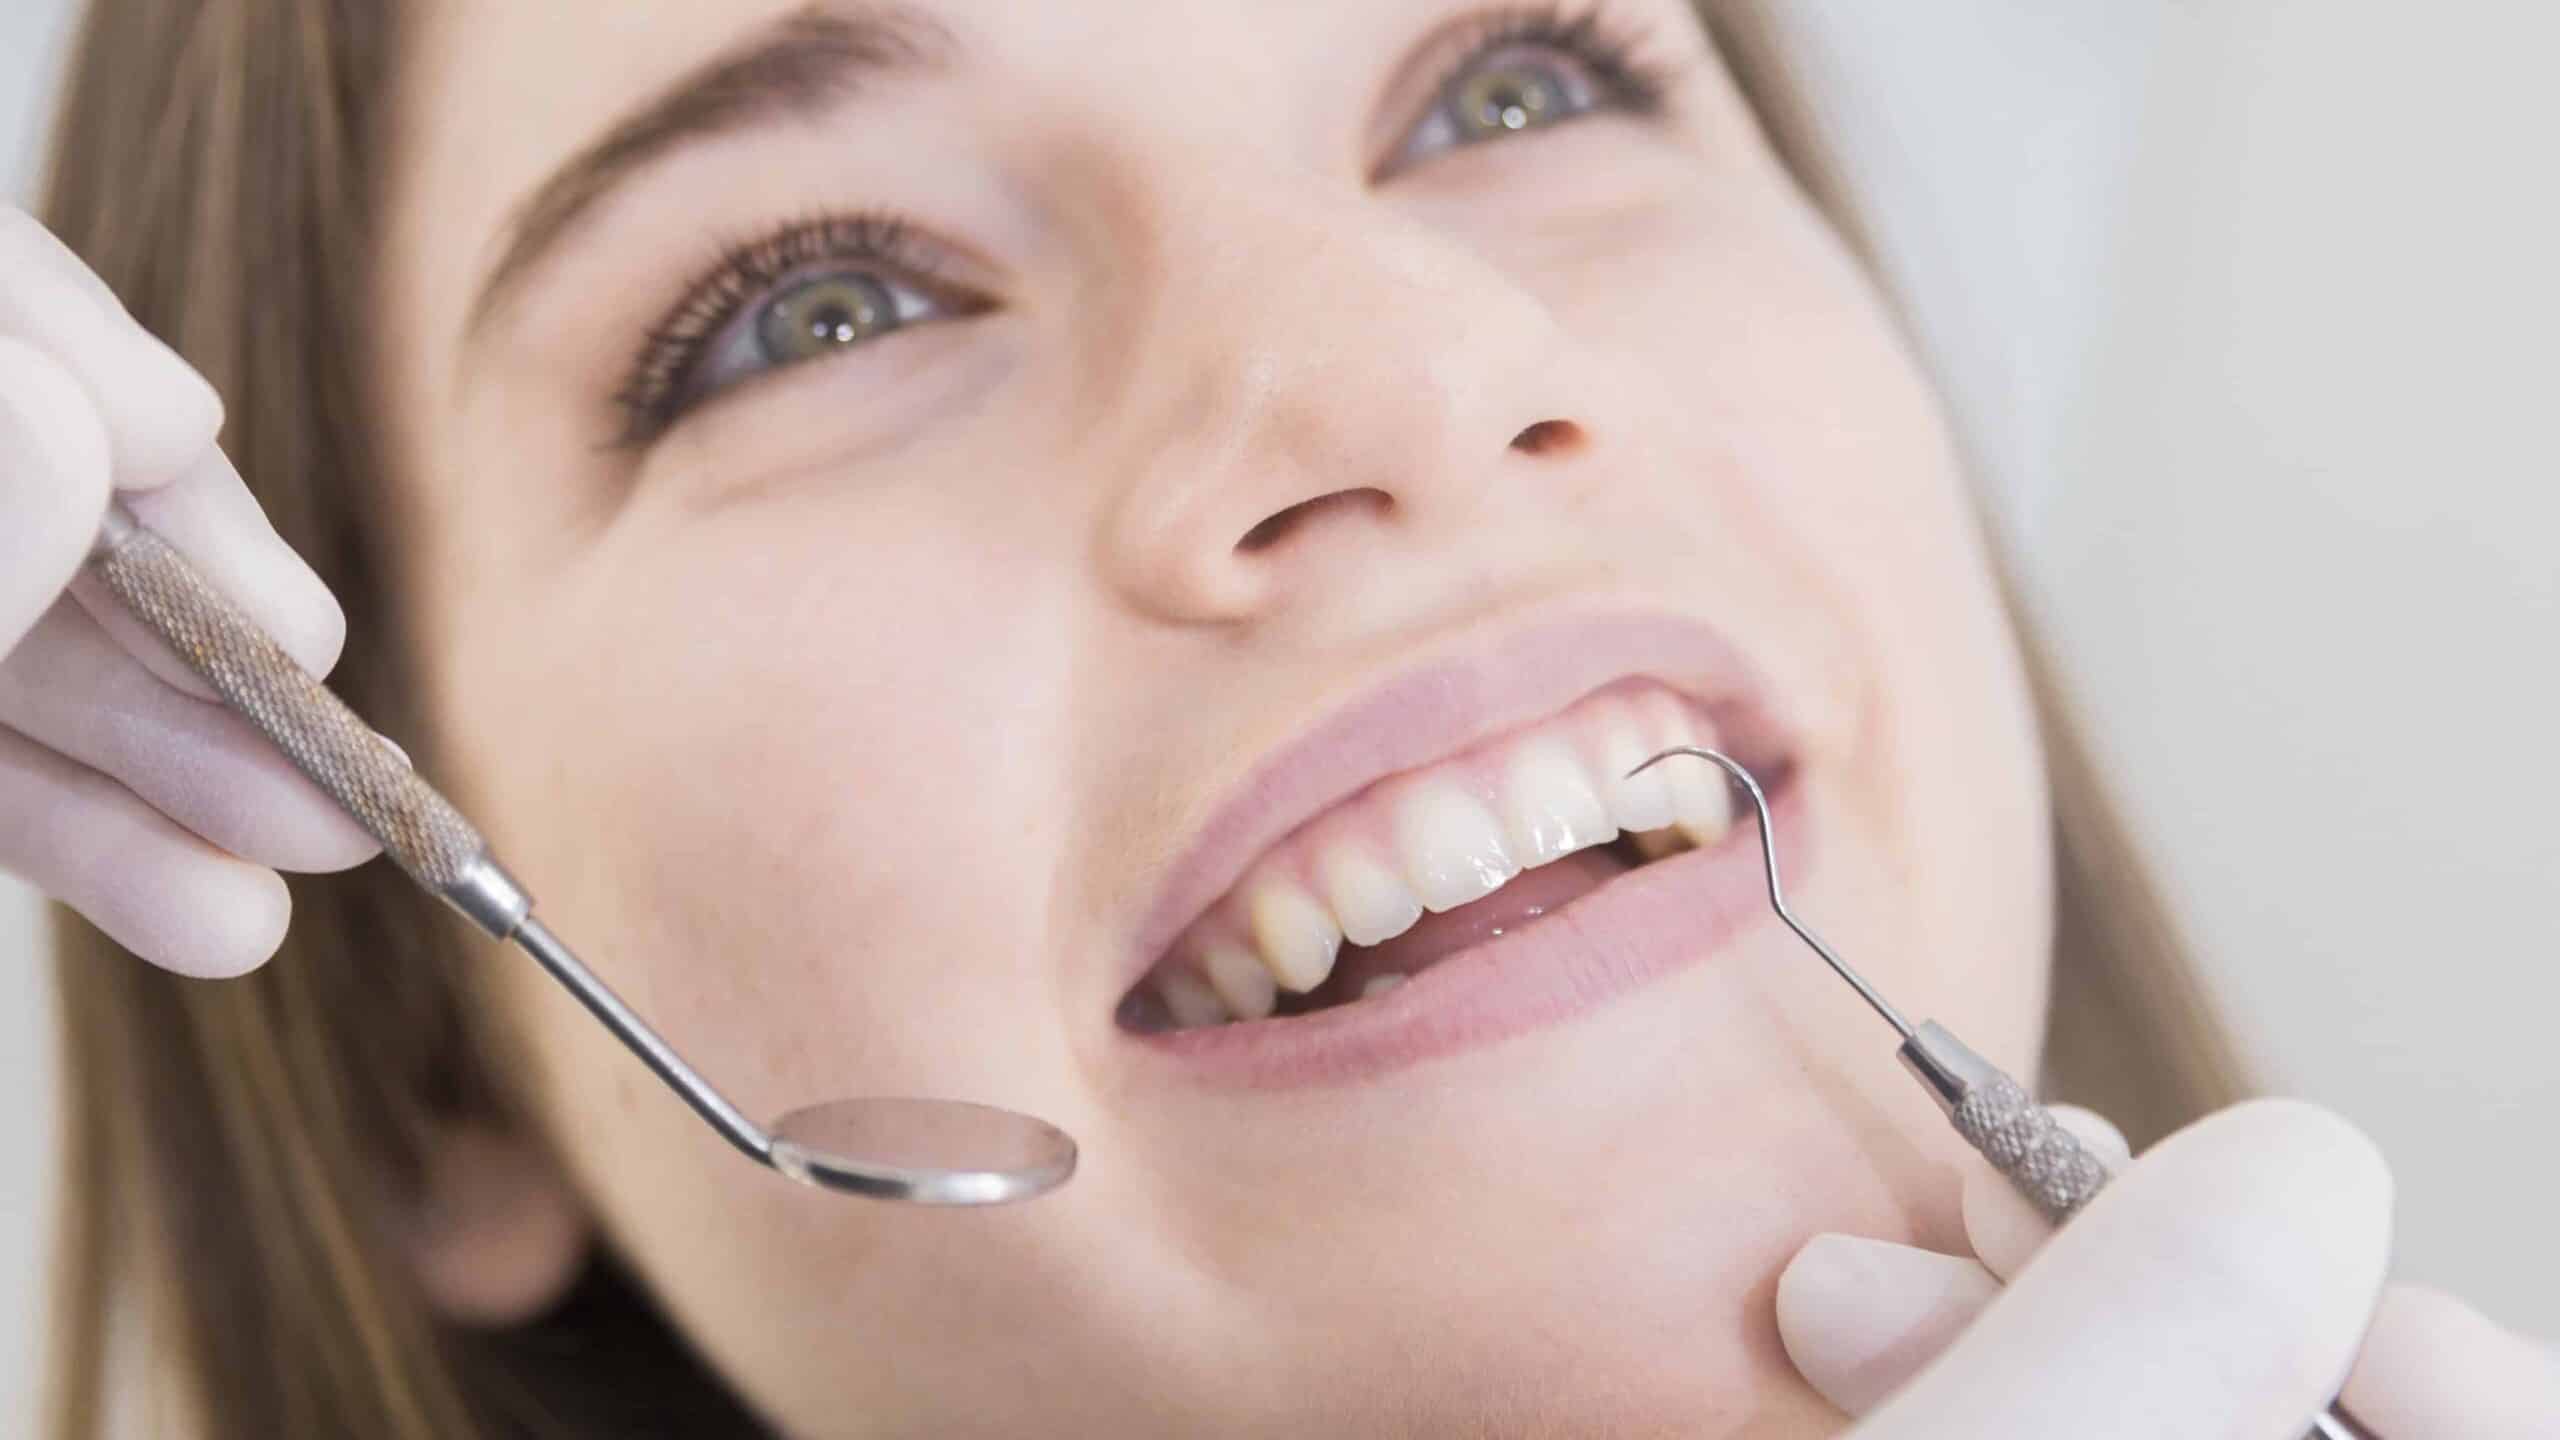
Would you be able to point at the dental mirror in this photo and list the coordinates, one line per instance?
(927, 1152)
(924, 1152)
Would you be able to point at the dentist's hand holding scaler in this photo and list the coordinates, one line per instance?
(2224, 1287)
(126, 789)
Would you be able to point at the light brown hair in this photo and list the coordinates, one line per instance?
(235, 1151)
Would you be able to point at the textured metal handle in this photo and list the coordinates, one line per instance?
(1998, 1118)
(2042, 1160)
(2023, 1141)
(418, 828)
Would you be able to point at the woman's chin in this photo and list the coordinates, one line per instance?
(1585, 1223)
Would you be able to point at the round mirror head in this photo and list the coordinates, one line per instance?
(926, 1152)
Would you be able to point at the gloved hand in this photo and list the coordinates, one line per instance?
(2222, 1287)
(126, 790)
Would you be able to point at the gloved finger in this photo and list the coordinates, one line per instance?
(2433, 1368)
(71, 689)
(213, 520)
(1859, 1317)
(53, 484)
(2003, 1228)
(2217, 1288)
(158, 891)
(160, 414)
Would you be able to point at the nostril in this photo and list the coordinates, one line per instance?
(1277, 526)
(1547, 436)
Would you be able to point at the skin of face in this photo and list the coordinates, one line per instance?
(850, 727)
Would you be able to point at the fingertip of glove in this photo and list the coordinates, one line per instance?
(48, 420)
(1822, 1272)
(233, 921)
(1849, 1278)
(2320, 1149)
(1859, 1317)
(173, 417)
(312, 627)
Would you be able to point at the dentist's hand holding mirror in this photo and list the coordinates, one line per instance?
(126, 790)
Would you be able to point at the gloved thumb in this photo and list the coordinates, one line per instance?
(1860, 1316)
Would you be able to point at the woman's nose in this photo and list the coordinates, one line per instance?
(1312, 398)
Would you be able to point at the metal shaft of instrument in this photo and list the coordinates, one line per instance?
(1777, 895)
(537, 941)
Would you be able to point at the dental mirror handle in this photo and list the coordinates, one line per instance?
(419, 829)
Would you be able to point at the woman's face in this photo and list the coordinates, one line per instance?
(958, 546)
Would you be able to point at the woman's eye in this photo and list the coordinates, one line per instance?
(1508, 90)
(803, 293)
(1518, 94)
(807, 318)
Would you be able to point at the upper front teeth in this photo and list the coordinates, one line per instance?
(1440, 840)
(1701, 802)
(1371, 902)
(1636, 802)
(1452, 846)
(1549, 808)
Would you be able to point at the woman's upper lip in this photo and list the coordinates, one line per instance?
(1490, 682)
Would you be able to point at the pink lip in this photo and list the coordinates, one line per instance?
(1498, 682)
(1643, 925)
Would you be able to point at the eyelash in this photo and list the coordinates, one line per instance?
(659, 388)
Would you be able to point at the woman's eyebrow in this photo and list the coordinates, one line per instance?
(806, 62)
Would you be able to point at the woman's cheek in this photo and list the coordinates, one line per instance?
(1800, 382)
(786, 747)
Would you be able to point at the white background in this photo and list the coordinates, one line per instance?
(2249, 309)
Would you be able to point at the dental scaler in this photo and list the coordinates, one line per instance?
(1994, 1113)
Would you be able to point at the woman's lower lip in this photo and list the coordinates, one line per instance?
(1642, 926)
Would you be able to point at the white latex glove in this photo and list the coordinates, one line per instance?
(126, 790)
(2220, 1288)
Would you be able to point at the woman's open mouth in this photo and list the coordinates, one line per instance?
(1375, 915)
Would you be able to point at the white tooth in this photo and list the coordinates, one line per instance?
(1189, 998)
(1242, 981)
(1549, 808)
(1637, 802)
(1380, 984)
(1701, 802)
(1450, 845)
(1296, 933)
(1368, 899)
